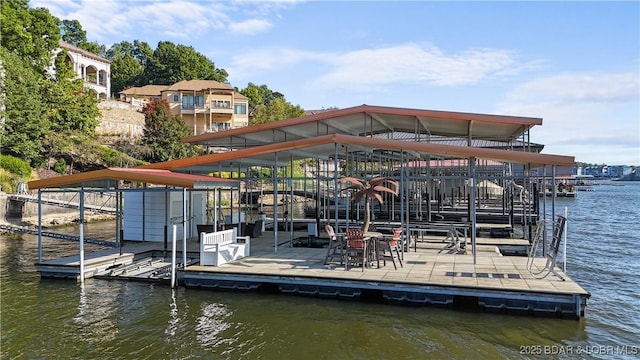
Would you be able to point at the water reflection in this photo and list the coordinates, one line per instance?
(97, 308)
(212, 323)
(57, 319)
(173, 316)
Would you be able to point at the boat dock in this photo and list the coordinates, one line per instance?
(418, 156)
(432, 275)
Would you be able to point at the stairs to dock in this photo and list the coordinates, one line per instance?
(154, 266)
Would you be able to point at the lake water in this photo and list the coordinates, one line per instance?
(60, 319)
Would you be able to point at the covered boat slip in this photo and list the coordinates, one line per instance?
(452, 168)
(161, 208)
(440, 159)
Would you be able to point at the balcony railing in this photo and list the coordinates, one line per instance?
(221, 106)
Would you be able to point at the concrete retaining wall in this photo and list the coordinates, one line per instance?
(15, 211)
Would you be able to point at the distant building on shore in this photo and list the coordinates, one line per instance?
(605, 171)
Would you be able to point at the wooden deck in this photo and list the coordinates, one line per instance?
(432, 275)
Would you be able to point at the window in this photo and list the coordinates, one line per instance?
(176, 98)
(191, 101)
(240, 108)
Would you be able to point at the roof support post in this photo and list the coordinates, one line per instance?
(39, 225)
(290, 203)
(335, 183)
(472, 204)
(167, 217)
(174, 228)
(185, 223)
(554, 194)
(402, 202)
(274, 175)
(544, 202)
(82, 236)
(118, 217)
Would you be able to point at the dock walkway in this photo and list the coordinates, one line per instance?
(495, 283)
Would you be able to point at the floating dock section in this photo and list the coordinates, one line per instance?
(429, 277)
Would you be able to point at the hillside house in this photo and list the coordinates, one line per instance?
(94, 70)
(204, 105)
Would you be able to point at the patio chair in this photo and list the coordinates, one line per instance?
(356, 248)
(335, 248)
(454, 245)
(252, 229)
(387, 246)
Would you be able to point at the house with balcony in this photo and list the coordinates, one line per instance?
(139, 96)
(94, 70)
(207, 105)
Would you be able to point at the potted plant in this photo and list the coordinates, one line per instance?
(369, 190)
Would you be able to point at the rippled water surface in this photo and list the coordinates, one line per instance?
(59, 319)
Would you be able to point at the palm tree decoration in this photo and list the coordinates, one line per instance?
(372, 189)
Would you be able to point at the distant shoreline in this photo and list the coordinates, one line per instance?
(59, 220)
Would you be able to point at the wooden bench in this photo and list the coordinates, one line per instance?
(217, 248)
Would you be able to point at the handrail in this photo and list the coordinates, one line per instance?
(552, 253)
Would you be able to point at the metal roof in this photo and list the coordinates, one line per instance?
(483, 143)
(366, 120)
(328, 146)
(332, 134)
(108, 178)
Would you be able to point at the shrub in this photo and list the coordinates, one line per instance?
(15, 166)
(60, 166)
(7, 181)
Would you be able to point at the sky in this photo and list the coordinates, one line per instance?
(575, 64)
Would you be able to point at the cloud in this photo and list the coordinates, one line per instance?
(246, 64)
(172, 20)
(581, 87)
(593, 116)
(402, 64)
(411, 63)
(252, 26)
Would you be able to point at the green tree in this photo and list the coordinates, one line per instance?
(23, 108)
(171, 63)
(260, 95)
(162, 133)
(128, 61)
(277, 109)
(125, 72)
(33, 34)
(73, 34)
(69, 106)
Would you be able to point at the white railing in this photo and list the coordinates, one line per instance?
(138, 102)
